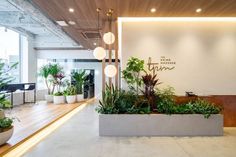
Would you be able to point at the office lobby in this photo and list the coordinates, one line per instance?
(118, 78)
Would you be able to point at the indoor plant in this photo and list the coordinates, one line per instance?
(195, 118)
(79, 79)
(58, 97)
(6, 128)
(5, 78)
(132, 73)
(70, 94)
(48, 72)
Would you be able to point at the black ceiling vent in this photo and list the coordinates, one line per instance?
(91, 34)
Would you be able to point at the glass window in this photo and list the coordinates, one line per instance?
(10, 51)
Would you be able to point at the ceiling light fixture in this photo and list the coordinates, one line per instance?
(99, 52)
(110, 70)
(71, 10)
(153, 10)
(109, 37)
(198, 10)
(72, 22)
(62, 23)
(94, 44)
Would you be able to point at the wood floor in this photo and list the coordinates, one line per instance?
(30, 118)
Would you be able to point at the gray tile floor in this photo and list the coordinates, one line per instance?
(78, 137)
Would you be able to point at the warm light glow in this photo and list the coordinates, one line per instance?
(110, 70)
(109, 38)
(32, 141)
(153, 10)
(99, 53)
(71, 10)
(174, 19)
(198, 10)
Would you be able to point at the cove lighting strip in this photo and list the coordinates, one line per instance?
(166, 19)
(176, 19)
(35, 139)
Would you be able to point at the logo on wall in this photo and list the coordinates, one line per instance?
(163, 65)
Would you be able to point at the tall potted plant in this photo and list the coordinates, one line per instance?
(58, 97)
(48, 72)
(6, 127)
(70, 94)
(79, 78)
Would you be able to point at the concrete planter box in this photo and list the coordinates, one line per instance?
(160, 125)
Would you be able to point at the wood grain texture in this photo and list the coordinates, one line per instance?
(32, 118)
(86, 17)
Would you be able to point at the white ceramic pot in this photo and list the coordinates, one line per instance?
(49, 98)
(80, 97)
(70, 99)
(59, 99)
(6, 135)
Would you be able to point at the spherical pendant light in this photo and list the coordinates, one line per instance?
(109, 38)
(110, 70)
(99, 53)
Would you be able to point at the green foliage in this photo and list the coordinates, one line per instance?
(79, 78)
(132, 73)
(4, 103)
(5, 78)
(166, 104)
(58, 94)
(50, 72)
(109, 98)
(5, 123)
(165, 100)
(70, 90)
(199, 106)
(119, 102)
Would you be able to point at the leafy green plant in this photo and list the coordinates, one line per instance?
(150, 82)
(199, 106)
(79, 78)
(5, 78)
(109, 98)
(70, 90)
(132, 73)
(50, 72)
(119, 102)
(58, 94)
(165, 100)
(5, 124)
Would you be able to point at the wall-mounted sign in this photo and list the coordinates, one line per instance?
(162, 65)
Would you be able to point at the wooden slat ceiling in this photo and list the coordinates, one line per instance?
(85, 14)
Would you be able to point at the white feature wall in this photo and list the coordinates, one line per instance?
(204, 52)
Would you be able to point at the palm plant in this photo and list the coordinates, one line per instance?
(45, 73)
(150, 82)
(79, 78)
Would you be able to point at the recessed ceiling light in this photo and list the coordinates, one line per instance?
(62, 23)
(94, 44)
(198, 10)
(71, 10)
(72, 22)
(153, 10)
